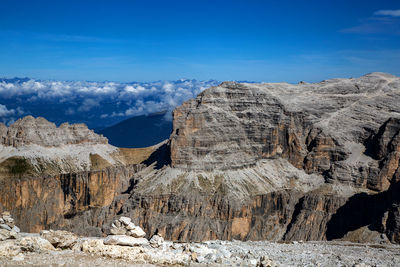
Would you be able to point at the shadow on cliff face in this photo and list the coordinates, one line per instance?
(363, 210)
(162, 157)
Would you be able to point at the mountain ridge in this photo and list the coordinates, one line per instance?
(250, 162)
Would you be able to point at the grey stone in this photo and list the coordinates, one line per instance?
(130, 226)
(124, 240)
(59, 238)
(125, 220)
(156, 241)
(5, 226)
(39, 131)
(137, 232)
(118, 231)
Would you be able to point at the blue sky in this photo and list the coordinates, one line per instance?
(200, 39)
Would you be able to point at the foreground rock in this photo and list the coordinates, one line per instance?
(124, 240)
(60, 239)
(32, 250)
(125, 226)
(8, 229)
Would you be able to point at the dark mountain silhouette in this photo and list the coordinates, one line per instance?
(139, 131)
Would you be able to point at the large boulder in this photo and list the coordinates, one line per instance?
(35, 244)
(60, 239)
(125, 226)
(5, 234)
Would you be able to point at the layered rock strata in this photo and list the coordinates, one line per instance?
(39, 131)
(246, 161)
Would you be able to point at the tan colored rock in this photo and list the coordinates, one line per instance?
(35, 244)
(9, 249)
(60, 239)
(118, 231)
(156, 241)
(193, 256)
(5, 234)
(39, 131)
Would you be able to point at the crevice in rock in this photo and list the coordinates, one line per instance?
(297, 210)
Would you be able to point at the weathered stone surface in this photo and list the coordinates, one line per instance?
(118, 231)
(5, 234)
(314, 126)
(156, 241)
(5, 226)
(125, 220)
(8, 249)
(137, 232)
(124, 240)
(60, 239)
(130, 226)
(248, 162)
(39, 131)
(41, 203)
(35, 244)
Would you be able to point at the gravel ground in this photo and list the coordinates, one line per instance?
(232, 253)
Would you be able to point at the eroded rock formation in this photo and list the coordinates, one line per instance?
(245, 161)
(39, 131)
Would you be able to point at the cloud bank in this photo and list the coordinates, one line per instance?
(95, 103)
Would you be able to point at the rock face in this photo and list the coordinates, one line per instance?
(39, 131)
(322, 128)
(39, 204)
(245, 161)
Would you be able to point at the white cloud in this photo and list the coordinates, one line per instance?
(77, 98)
(88, 104)
(388, 12)
(5, 112)
(135, 90)
(7, 115)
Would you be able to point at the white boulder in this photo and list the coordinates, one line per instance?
(124, 240)
(125, 220)
(137, 232)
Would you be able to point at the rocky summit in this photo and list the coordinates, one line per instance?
(251, 162)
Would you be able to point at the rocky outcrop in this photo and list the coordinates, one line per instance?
(322, 128)
(39, 203)
(245, 161)
(39, 131)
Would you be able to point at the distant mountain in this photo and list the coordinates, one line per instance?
(139, 131)
(14, 80)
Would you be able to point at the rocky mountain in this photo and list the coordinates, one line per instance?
(39, 131)
(244, 161)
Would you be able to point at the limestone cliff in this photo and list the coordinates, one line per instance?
(344, 129)
(39, 131)
(244, 161)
